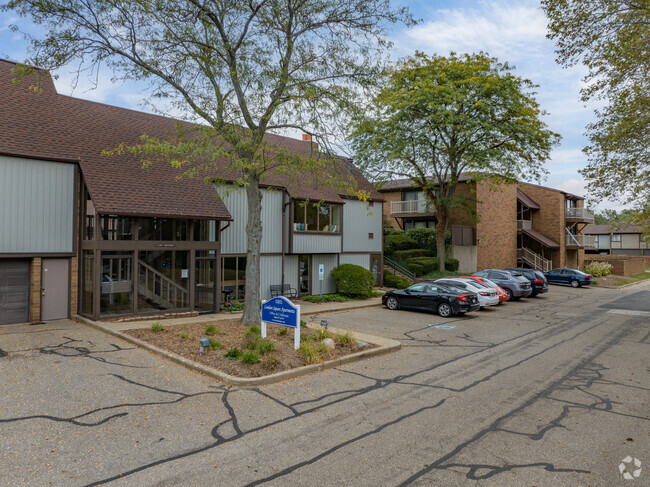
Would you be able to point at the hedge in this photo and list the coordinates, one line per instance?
(430, 264)
(397, 282)
(395, 242)
(353, 280)
(417, 269)
(408, 254)
(425, 237)
(451, 264)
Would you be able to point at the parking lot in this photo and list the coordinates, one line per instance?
(545, 391)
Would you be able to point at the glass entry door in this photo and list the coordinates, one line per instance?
(304, 269)
(375, 267)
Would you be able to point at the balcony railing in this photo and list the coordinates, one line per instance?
(531, 258)
(582, 214)
(524, 224)
(412, 206)
(586, 241)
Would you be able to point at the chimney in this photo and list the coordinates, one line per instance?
(307, 138)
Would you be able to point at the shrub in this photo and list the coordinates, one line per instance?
(327, 298)
(395, 231)
(184, 336)
(253, 331)
(303, 323)
(211, 330)
(249, 357)
(283, 331)
(311, 354)
(156, 327)
(353, 280)
(417, 269)
(452, 264)
(397, 282)
(215, 344)
(395, 242)
(345, 338)
(235, 306)
(425, 237)
(598, 269)
(428, 264)
(402, 255)
(233, 353)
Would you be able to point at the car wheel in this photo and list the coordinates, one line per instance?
(533, 295)
(392, 303)
(575, 283)
(444, 310)
(509, 293)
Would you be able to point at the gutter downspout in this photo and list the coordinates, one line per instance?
(284, 211)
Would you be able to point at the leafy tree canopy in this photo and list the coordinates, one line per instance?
(438, 117)
(612, 39)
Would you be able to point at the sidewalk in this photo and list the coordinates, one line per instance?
(306, 309)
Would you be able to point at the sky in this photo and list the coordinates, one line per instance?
(512, 31)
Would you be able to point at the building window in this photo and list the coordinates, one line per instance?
(312, 217)
(163, 280)
(205, 231)
(116, 295)
(89, 217)
(116, 227)
(233, 278)
(163, 229)
(616, 237)
(410, 223)
(87, 269)
(597, 240)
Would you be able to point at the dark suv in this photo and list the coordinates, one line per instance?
(536, 278)
(515, 284)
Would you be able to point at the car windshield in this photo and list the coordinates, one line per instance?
(489, 283)
(475, 283)
(580, 273)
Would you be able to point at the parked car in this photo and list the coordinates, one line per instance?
(514, 284)
(486, 295)
(443, 299)
(573, 277)
(537, 280)
(503, 296)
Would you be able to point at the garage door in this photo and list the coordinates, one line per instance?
(14, 291)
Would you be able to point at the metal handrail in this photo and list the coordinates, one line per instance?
(534, 259)
(155, 285)
(583, 213)
(397, 267)
(411, 206)
(524, 224)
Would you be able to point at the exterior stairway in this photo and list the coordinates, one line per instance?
(534, 260)
(160, 290)
(399, 270)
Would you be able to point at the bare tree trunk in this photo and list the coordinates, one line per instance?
(441, 225)
(252, 308)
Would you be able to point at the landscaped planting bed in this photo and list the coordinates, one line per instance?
(242, 352)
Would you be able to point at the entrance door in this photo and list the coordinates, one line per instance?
(304, 276)
(55, 288)
(14, 291)
(375, 267)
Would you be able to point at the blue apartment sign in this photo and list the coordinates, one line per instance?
(280, 311)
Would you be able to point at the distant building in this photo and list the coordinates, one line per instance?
(625, 240)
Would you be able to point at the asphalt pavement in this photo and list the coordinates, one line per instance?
(550, 391)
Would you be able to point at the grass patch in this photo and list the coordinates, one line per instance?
(642, 275)
(156, 327)
(233, 353)
(211, 330)
(249, 357)
(185, 336)
(283, 331)
(215, 344)
(310, 353)
(253, 331)
(344, 339)
(303, 323)
(260, 345)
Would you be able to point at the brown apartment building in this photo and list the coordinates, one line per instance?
(624, 240)
(518, 224)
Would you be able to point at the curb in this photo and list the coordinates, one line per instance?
(630, 284)
(386, 345)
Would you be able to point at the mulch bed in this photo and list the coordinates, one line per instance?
(232, 334)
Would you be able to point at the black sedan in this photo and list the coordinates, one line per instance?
(430, 296)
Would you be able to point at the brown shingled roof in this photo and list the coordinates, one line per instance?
(543, 239)
(51, 126)
(406, 183)
(526, 200)
(607, 229)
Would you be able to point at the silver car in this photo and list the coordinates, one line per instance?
(487, 296)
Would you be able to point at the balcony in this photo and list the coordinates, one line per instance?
(579, 214)
(413, 207)
(582, 241)
(524, 224)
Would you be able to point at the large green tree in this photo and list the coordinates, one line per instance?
(612, 39)
(241, 68)
(440, 116)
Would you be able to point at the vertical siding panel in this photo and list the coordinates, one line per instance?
(36, 205)
(329, 261)
(362, 260)
(270, 273)
(314, 244)
(291, 270)
(360, 219)
(272, 221)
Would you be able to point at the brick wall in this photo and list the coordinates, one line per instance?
(549, 220)
(496, 232)
(622, 265)
(388, 198)
(35, 291)
(74, 285)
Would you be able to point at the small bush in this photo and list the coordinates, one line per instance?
(156, 327)
(249, 357)
(452, 264)
(184, 336)
(344, 339)
(425, 237)
(261, 345)
(253, 331)
(428, 264)
(327, 298)
(235, 306)
(311, 354)
(233, 353)
(395, 242)
(211, 330)
(394, 281)
(395, 231)
(215, 344)
(417, 269)
(402, 255)
(598, 269)
(353, 280)
(303, 323)
(283, 331)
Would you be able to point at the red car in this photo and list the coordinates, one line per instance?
(503, 295)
